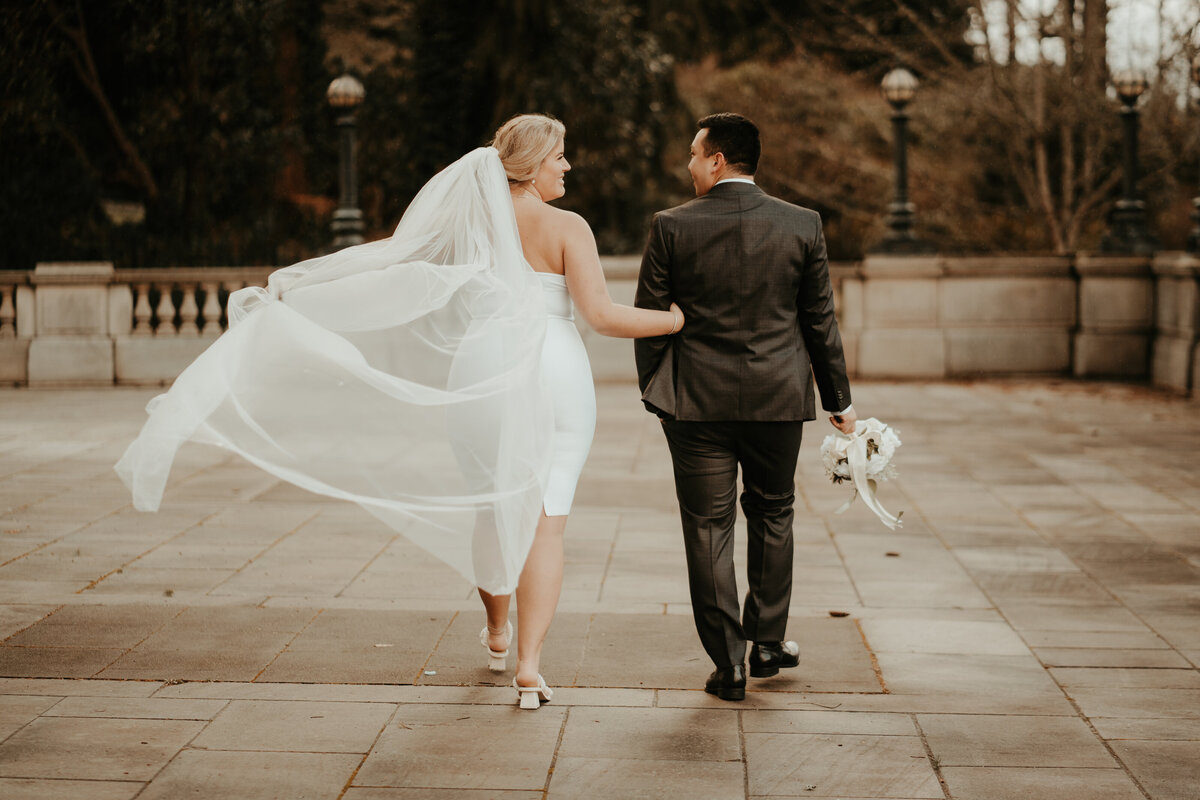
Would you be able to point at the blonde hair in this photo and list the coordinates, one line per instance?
(524, 142)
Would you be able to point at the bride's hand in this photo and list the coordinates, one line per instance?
(675, 309)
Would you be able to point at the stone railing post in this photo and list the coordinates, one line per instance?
(1116, 316)
(1175, 359)
(152, 348)
(72, 342)
(16, 326)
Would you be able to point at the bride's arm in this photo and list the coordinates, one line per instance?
(589, 291)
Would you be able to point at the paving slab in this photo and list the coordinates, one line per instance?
(41, 789)
(16, 617)
(1103, 657)
(1007, 783)
(213, 643)
(77, 688)
(630, 779)
(1127, 677)
(1147, 728)
(17, 711)
(170, 582)
(922, 594)
(359, 646)
(839, 764)
(452, 747)
(656, 734)
(1006, 740)
(377, 793)
(219, 775)
(982, 684)
(866, 723)
(115, 627)
(943, 637)
(63, 662)
(312, 727)
(1134, 703)
(104, 749)
(1166, 770)
(136, 708)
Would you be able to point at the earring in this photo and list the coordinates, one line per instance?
(533, 180)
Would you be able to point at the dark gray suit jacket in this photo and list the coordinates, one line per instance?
(752, 277)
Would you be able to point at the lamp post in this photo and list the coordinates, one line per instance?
(899, 88)
(1127, 223)
(345, 94)
(1194, 236)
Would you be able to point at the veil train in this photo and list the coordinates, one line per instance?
(401, 374)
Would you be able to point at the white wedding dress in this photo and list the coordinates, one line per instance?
(432, 377)
(568, 377)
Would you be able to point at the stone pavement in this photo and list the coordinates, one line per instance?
(1031, 633)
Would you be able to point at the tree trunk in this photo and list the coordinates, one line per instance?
(293, 178)
(1095, 46)
(1042, 158)
(1069, 126)
(85, 69)
(1012, 31)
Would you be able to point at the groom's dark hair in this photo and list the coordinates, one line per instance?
(734, 136)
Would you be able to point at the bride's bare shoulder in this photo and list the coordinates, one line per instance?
(570, 225)
(557, 228)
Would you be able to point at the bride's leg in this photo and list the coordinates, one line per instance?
(537, 595)
(496, 607)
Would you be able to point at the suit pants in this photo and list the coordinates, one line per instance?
(706, 457)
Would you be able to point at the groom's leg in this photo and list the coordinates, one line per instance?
(706, 485)
(768, 456)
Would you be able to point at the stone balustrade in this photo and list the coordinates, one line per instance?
(89, 324)
(1089, 316)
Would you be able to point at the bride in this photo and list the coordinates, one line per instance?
(436, 378)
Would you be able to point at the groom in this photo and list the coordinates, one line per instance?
(734, 387)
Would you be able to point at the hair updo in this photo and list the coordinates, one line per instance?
(524, 142)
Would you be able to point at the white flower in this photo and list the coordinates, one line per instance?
(874, 446)
(882, 441)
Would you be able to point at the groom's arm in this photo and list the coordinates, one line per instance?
(818, 325)
(653, 292)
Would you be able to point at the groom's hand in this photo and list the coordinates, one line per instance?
(844, 422)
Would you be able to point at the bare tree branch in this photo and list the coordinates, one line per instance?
(930, 35)
(880, 44)
(85, 70)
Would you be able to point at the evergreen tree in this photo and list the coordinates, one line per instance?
(169, 105)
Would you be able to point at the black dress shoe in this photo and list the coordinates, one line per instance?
(767, 658)
(728, 683)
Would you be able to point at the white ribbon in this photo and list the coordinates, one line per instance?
(856, 455)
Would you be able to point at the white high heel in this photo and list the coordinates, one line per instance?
(497, 659)
(533, 696)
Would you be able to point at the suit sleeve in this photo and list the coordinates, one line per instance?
(818, 326)
(653, 292)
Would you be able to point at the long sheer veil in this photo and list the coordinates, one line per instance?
(402, 375)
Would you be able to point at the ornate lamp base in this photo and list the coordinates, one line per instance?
(347, 228)
(1193, 244)
(1127, 231)
(900, 239)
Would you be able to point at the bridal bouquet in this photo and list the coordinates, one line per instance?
(863, 458)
